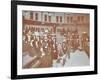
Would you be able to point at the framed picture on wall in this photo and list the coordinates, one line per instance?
(53, 39)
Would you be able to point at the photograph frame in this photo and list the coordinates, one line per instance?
(14, 38)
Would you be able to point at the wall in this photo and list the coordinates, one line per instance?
(5, 30)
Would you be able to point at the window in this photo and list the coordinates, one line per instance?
(31, 15)
(45, 17)
(60, 18)
(68, 19)
(57, 18)
(78, 18)
(49, 18)
(71, 19)
(82, 18)
(26, 15)
(23, 17)
(36, 16)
